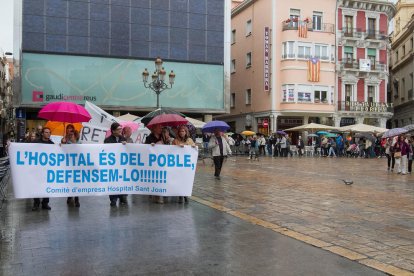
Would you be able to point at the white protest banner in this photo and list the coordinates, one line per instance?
(92, 134)
(99, 116)
(41, 170)
(57, 139)
(140, 135)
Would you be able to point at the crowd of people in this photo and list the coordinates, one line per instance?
(177, 136)
(398, 150)
(365, 146)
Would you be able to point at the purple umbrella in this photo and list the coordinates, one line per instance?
(213, 125)
(281, 132)
(394, 132)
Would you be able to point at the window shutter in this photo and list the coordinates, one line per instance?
(349, 50)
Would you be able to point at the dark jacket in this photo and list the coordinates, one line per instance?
(40, 141)
(112, 140)
(151, 139)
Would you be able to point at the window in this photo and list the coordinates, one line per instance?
(233, 66)
(233, 36)
(349, 25)
(288, 92)
(403, 50)
(372, 54)
(248, 27)
(371, 94)
(321, 51)
(396, 56)
(288, 49)
(332, 52)
(248, 59)
(232, 99)
(402, 87)
(371, 27)
(321, 96)
(248, 96)
(348, 93)
(294, 17)
(317, 21)
(397, 25)
(304, 50)
(304, 94)
(348, 56)
(411, 43)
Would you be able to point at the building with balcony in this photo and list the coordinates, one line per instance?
(402, 64)
(282, 64)
(362, 67)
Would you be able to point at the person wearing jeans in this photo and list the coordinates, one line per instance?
(410, 154)
(220, 149)
(404, 154)
(390, 154)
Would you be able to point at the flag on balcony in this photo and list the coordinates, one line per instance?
(314, 69)
(303, 30)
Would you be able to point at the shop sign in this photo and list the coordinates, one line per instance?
(265, 122)
(369, 106)
(266, 59)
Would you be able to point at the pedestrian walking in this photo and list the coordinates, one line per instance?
(411, 152)
(183, 139)
(116, 137)
(389, 152)
(71, 137)
(44, 139)
(404, 148)
(220, 149)
(300, 145)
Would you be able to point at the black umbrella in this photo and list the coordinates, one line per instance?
(147, 118)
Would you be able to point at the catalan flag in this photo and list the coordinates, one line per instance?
(314, 69)
(303, 29)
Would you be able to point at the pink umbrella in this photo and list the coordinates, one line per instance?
(167, 120)
(66, 112)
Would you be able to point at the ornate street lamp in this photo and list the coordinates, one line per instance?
(157, 83)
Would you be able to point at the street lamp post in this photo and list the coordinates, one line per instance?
(158, 84)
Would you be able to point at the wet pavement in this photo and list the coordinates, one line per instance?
(370, 221)
(269, 217)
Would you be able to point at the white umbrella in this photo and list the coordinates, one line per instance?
(196, 123)
(362, 128)
(127, 117)
(311, 127)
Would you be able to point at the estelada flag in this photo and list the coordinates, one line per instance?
(303, 30)
(314, 69)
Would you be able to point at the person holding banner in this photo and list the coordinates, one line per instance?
(44, 139)
(127, 133)
(183, 139)
(155, 138)
(116, 137)
(165, 137)
(220, 149)
(71, 137)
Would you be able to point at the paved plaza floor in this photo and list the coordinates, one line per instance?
(276, 216)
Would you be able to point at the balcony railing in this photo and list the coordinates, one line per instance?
(377, 35)
(284, 56)
(352, 32)
(354, 64)
(364, 106)
(368, 34)
(293, 25)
